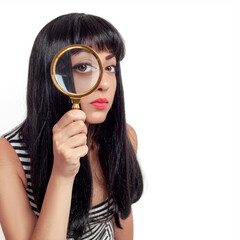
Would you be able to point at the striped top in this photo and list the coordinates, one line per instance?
(100, 225)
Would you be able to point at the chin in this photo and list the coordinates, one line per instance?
(96, 118)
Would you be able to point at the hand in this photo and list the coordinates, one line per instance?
(69, 143)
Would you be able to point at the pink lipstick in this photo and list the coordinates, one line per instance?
(100, 103)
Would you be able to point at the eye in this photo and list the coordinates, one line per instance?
(83, 68)
(111, 68)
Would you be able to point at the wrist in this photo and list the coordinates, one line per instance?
(60, 178)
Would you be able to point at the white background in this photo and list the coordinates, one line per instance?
(181, 77)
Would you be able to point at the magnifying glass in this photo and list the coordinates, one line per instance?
(76, 71)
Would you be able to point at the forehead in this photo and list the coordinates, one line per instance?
(104, 52)
(106, 55)
(85, 56)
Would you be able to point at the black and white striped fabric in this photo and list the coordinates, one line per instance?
(100, 225)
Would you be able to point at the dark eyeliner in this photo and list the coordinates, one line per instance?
(80, 64)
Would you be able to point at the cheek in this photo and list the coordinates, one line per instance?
(113, 88)
(84, 102)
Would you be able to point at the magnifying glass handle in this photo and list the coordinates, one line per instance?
(75, 103)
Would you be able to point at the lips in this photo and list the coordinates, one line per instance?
(100, 103)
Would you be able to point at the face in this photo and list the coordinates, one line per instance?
(98, 103)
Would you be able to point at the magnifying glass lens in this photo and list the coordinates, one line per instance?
(77, 71)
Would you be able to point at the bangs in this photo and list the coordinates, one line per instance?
(98, 34)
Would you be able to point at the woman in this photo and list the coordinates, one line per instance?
(45, 191)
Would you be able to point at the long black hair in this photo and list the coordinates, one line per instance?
(46, 105)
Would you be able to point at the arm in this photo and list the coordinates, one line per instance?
(17, 218)
(133, 137)
(126, 233)
(54, 216)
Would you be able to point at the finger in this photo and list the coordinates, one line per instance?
(70, 117)
(74, 128)
(77, 141)
(80, 151)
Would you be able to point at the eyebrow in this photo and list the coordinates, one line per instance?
(109, 56)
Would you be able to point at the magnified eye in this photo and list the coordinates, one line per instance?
(83, 68)
(110, 68)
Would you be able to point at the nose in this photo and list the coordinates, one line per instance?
(104, 84)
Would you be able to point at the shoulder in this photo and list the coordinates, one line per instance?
(7, 153)
(9, 161)
(16, 216)
(132, 137)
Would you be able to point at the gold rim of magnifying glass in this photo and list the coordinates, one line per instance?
(53, 70)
